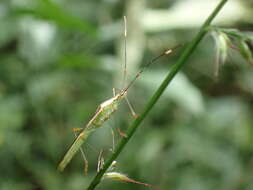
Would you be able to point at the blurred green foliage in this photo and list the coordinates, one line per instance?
(60, 59)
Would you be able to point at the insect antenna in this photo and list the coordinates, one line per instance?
(125, 53)
(166, 52)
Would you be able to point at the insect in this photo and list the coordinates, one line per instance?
(106, 109)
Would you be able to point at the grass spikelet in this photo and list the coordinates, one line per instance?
(123, 178)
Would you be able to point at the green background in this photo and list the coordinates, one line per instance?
(60, 59)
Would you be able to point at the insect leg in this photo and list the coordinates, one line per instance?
(131, 108)
(113, 140)
(122, 134)
(100, 161)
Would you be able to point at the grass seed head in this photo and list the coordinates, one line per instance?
(123, 178)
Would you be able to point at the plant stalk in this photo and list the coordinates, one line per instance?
(174, 70)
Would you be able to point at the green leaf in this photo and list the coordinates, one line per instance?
(48, 10)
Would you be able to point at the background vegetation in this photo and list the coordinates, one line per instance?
(61, 59)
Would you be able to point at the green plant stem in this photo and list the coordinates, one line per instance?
(174, 70)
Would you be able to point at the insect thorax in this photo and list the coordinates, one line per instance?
(105, 111)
